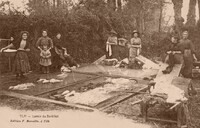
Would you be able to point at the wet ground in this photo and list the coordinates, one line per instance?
(124, 108)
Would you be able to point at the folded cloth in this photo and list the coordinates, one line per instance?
(108, 49)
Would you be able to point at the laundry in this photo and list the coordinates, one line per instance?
(65, 69)
(44, 81)
(173, 93)
(65, 92)
(63, 75)
(94, 96)
(24, 86)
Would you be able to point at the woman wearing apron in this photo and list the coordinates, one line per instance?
(134, 47)
(189, 57)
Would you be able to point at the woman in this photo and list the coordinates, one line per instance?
(21, 61)
(60, 55)
(56, 61)
(44, 41)
(174, 54)
(188, 54)
(134, 46)
(111, 45)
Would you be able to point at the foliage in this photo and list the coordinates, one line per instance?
(84, 25)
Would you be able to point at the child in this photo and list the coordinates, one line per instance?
(45, 59)
(174, 49)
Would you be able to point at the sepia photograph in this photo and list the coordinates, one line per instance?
(99, 64)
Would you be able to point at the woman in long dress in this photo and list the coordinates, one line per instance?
(21, 61)
(112, 45)
(189, 57)
(134, 47)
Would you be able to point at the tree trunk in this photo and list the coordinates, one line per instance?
(160, 17)
(119, 3)
(199, 7)
(54, 3)
(191, 17)
(178, 4)
(58, 3)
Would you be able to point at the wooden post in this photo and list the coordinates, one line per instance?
(179, 116)
(143, 106)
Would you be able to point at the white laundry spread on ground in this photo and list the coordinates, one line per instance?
(62, 75)
(44, 81)
(24, 86)
(99, 94)
(65, 69)
(174, 94)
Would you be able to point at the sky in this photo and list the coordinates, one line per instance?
(168, 11)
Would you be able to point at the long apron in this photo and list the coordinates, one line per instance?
(188, 63)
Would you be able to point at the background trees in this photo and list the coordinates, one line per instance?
(85, 24)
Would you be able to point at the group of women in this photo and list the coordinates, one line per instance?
(52, 52)
(181, 50)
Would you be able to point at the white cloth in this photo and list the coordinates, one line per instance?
(108, 49)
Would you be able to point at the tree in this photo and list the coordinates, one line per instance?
(178, 4)
(191, 16)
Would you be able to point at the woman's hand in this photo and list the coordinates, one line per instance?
(195, 58)
(2, 49)
(168, 52)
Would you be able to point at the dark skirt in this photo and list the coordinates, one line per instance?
(188, 63)
(21, 62)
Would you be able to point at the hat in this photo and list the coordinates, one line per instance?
(135, 31)
(26, 32)
(113, 32)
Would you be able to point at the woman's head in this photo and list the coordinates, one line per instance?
(58, 35)
(24, 35)
(135, 34)
(113, 33)
(185, 34)
(44, 33)
(175, 39)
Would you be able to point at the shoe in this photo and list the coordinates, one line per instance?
(165, 72)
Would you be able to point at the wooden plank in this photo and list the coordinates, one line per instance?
(26, 97)
(144, 110)
(179, 116)
(112, 76)
(100, 59)
(175, 105)
(182, 83)
(123, 98)
(146, 61)
(167, 78)
(71, 84)
(161, 120)
(136, 102)
(163, 80)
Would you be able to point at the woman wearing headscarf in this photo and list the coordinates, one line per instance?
(21, 61)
